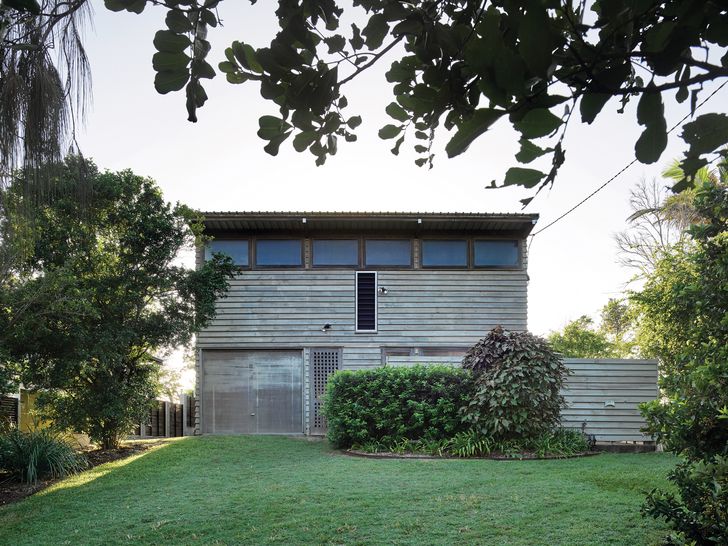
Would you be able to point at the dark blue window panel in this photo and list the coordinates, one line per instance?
(237, 250)
(445, 253)
(496, 254)
(395, 252)
(278, 252)
(335, 252)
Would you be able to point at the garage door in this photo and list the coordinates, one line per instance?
(252, 392)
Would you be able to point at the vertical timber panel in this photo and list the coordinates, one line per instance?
(324, 362)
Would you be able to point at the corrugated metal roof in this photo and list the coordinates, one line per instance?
(310, 221)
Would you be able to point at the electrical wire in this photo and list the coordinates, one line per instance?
(615, 176)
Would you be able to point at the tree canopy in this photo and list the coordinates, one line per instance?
(96, 295)
(684, 321)
(460, 66)
(580, 338)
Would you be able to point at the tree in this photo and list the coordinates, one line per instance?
(657, 223)
(45, 83)
(99, 294)
(684, 321)
(463, 65)
(660, 219)
(579, 339)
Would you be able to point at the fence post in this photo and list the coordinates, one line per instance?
(167, 419)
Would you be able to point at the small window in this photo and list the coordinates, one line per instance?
(502, 253)
(444, 253)
(334, 252)
(391, 252)
(237, 250)
(278, 252)
(366, 301)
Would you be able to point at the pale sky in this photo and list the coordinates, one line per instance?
(219, 163)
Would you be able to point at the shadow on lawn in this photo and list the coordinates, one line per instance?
(101, 462)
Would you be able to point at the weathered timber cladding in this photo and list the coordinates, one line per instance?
(423, 308)
(602, 394)
(597, 384)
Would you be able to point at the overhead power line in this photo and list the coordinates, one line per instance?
(615, 176)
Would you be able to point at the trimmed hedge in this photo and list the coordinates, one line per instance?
(390, 404)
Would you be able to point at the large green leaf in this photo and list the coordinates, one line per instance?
(397, 112)
(376, 30)
(389, 131)
(706, 134)
(177, 22)
(535, 44)
(169, 42)
(652, 142)
(591, 104)
(529, 151)
(272, 127)
(519, 176)
(245, 54)
(354, 122)
(170, 80)
(336, 43)
(650, 109)
(202, 69)
(304, 140)
(174, 62)
(537, 123)
(134, 6)
(471, 129)
(275, 143)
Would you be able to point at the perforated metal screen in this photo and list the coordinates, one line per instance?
(324, 362)
(253, 392)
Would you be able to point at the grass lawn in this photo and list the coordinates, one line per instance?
(276, 490)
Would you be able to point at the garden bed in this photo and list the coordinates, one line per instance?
(493, 457)
(13, 491)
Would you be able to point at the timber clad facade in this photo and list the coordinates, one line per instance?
(317, 292)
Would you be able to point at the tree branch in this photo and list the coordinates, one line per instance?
(378, 56)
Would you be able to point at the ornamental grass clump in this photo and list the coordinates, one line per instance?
(38, 454)
(518, 379)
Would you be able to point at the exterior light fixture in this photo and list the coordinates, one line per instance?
(383, 291)
(326, 327)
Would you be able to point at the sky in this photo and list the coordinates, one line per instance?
(219, 162)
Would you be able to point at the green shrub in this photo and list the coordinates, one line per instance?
(518, 379)
(40, 454)
(699, 513)
(388, 405)
(470, 443)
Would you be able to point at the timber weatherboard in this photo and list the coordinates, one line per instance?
(422, 308)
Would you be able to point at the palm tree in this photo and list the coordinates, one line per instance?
(45, 83)
(660, 219)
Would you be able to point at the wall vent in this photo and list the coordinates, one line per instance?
(366, 301)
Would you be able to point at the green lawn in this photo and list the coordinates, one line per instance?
(275, 490)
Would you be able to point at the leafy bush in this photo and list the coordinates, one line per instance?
(518, 379)
(39, 454)
(700, 513)
(387, 405)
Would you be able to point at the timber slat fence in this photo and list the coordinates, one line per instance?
(169, 420)
(603, 395)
